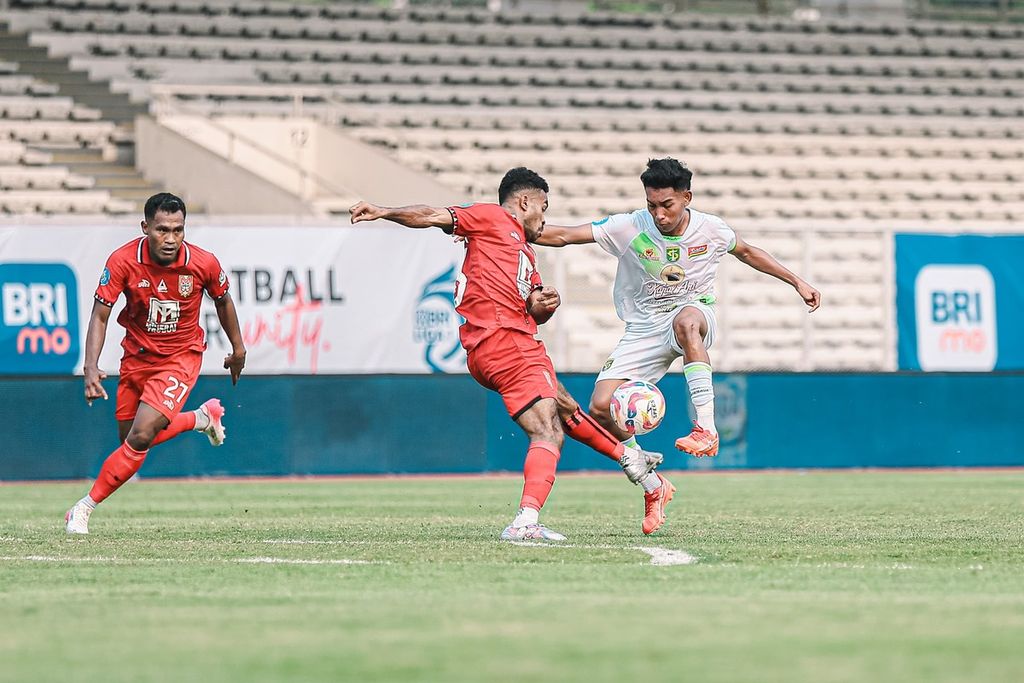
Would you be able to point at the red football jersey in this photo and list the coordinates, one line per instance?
(161, 315)
(498, 273)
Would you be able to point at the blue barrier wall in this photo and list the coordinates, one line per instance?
(446, 423)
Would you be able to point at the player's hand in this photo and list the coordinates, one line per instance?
(93, 385)
(810, 295)
(541, 304)
(234, 362)
(364, 211)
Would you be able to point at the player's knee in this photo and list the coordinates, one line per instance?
(600, 409)
(141, 436)
(687, 329)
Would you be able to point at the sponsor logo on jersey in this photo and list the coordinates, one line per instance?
(39, 331)
(163, 316)
(649, 254)
(143, 283)
(185, 285)
(697, 251)
(436, 324)
(516, 236)
(105, 276)
(672, 274)
(673, 253)
(162, 287)
(169, 403)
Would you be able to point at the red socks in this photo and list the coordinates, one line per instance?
(539, 472)
(118, 468)
(182, 423)
(585, 429)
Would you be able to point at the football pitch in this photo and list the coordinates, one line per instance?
(832, 576)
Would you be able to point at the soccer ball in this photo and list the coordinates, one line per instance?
(637, 407)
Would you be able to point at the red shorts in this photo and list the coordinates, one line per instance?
(163, 382)
(515, 365)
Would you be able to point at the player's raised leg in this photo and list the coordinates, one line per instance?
(690, 327)
(119, 466)
(541, 424)
(580, 426)
(206, 419)
(658, 490)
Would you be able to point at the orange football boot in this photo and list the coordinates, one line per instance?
(699, 442)
(654, 505)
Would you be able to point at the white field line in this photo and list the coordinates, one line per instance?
(660, 557)
(172, 560)
(281, 560)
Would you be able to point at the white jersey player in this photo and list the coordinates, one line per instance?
(664, 292)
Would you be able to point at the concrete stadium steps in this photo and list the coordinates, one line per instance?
(122, 181)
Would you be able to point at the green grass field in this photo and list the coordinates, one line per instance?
(861, 576)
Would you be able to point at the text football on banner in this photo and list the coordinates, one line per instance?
(317, 300)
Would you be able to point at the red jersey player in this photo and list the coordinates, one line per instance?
(500, 295)
(163, 279)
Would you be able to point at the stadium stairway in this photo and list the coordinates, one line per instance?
(112, 169)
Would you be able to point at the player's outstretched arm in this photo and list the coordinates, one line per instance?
(93, 347)
(563, 235)
(418, 216)
(228, 317)
(761, 260)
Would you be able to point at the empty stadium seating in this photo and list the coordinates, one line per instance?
(814, 139)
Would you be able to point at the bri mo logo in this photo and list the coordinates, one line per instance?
(437, 325)
(39, 333)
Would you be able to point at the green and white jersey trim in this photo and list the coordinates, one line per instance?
(658, 273)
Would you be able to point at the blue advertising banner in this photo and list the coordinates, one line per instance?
(960, 302)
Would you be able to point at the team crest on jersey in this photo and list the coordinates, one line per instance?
(185, 285)
(672, 274)
(672, 253)
(694, 252)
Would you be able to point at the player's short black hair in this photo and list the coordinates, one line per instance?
(166, 202)
(667, 172)
(519, 178)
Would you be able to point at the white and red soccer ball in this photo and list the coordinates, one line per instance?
(637, 407)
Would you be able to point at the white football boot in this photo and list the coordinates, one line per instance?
(214, 431)
(638, 463)
(77, 519)
(530, 532)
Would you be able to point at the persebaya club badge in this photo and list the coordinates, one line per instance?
(672, 253)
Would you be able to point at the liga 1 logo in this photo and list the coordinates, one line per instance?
(40, 330)
(956, 317)
(437, 325)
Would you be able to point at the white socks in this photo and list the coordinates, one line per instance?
(202, 420)
(88, 502)
(702, 393)
(526, 517)
(651, 482)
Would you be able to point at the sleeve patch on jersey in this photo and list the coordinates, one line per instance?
(602, 221)
(222, 278)
(105, 276)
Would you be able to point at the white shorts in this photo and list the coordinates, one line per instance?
(646, 353)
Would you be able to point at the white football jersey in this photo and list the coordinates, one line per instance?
(659, 273)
